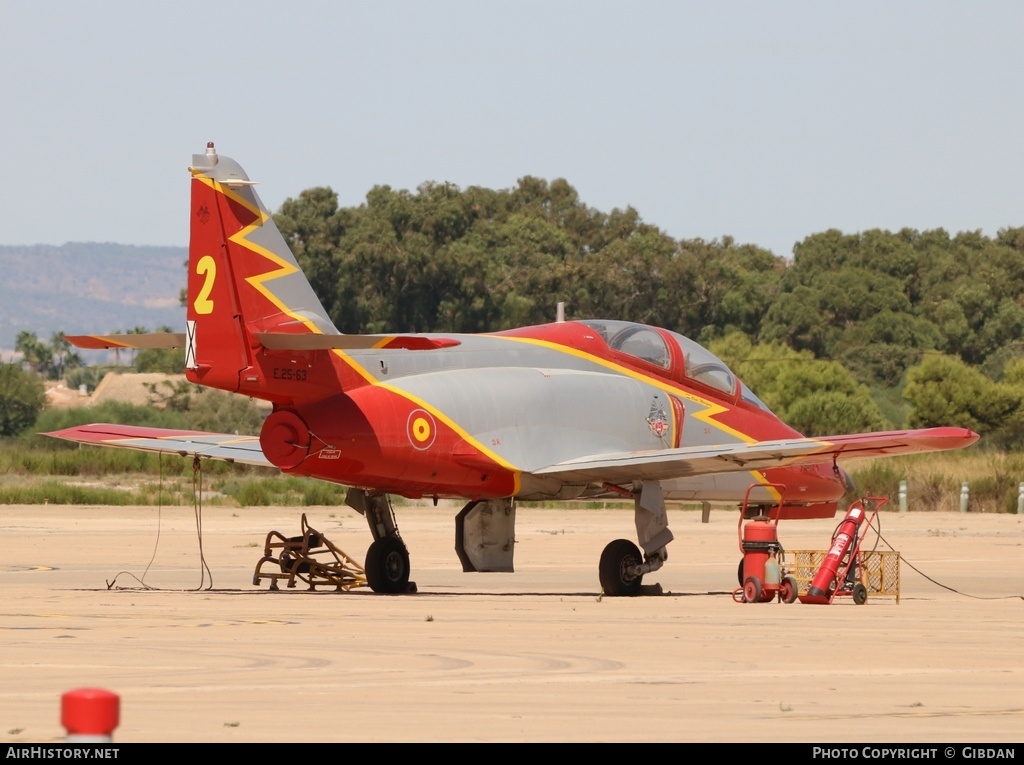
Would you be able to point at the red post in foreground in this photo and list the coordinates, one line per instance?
(90, 715)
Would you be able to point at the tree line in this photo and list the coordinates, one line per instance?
(858, 331)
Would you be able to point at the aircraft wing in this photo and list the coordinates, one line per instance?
(218, 446)
(622, 467)
(685, 462)
(141, 340)
(275, 341)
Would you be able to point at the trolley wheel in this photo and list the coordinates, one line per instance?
(752, 590)
(617, 559)
(788, 589)
(860, 594)
(387, 566)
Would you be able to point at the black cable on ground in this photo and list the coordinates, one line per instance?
(197, 507)
(940, 584)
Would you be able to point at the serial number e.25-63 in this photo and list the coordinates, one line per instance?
(289, 373)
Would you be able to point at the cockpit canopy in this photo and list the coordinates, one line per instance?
(650, 345)
(636, 340)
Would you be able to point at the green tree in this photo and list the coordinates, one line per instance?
(945, 390)
(89, 376)
(65, 359)
(172, 395)
(34, 352)
(813, 396)
(170, 361)
(220, 412)
(22, 397)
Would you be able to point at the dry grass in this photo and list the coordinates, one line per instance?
(934, 481)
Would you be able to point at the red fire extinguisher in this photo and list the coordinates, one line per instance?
(822, 584)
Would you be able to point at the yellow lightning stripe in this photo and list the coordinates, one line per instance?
(241, 238)
(356, 366)
(438, 414)
(706, 416)
(497, 458)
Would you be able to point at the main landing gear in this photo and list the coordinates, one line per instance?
(484, 539)
(622, 566)
(387, 559)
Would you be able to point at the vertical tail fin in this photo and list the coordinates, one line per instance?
(242, 279)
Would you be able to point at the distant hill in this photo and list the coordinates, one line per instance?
(89, 287)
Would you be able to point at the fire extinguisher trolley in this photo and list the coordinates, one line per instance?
(762, 571)
(840, 573)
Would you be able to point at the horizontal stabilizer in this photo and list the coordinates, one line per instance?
(666, 464)
(285, 341)
(216, 446)
(146, 340)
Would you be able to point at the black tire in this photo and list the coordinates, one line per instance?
(860, 594)
(752, 590)
(387, 566)
(739, 573)
(617, 558)
(788, 590)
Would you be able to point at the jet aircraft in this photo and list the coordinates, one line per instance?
(570, 410)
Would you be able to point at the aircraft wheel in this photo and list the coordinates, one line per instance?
(387, 566)
(788, 590)
(860, 594)
(752, 590)
(739, 573)
(617, 559)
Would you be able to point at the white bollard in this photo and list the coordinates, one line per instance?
(903, 496)
(964, 494)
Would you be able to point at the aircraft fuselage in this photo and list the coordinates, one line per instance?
(476, 419)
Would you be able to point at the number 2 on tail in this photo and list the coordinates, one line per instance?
(206, 266)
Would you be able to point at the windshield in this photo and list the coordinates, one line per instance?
(703, 366)
(750, 398)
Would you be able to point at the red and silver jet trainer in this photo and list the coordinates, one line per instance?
(563, 411)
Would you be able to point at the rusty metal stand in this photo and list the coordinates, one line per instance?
(310, 558)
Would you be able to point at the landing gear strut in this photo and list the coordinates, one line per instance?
(387, 559)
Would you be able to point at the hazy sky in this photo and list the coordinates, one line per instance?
(763, 121)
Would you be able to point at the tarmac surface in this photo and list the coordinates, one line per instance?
(538, 655)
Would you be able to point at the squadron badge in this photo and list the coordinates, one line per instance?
(658, 419)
